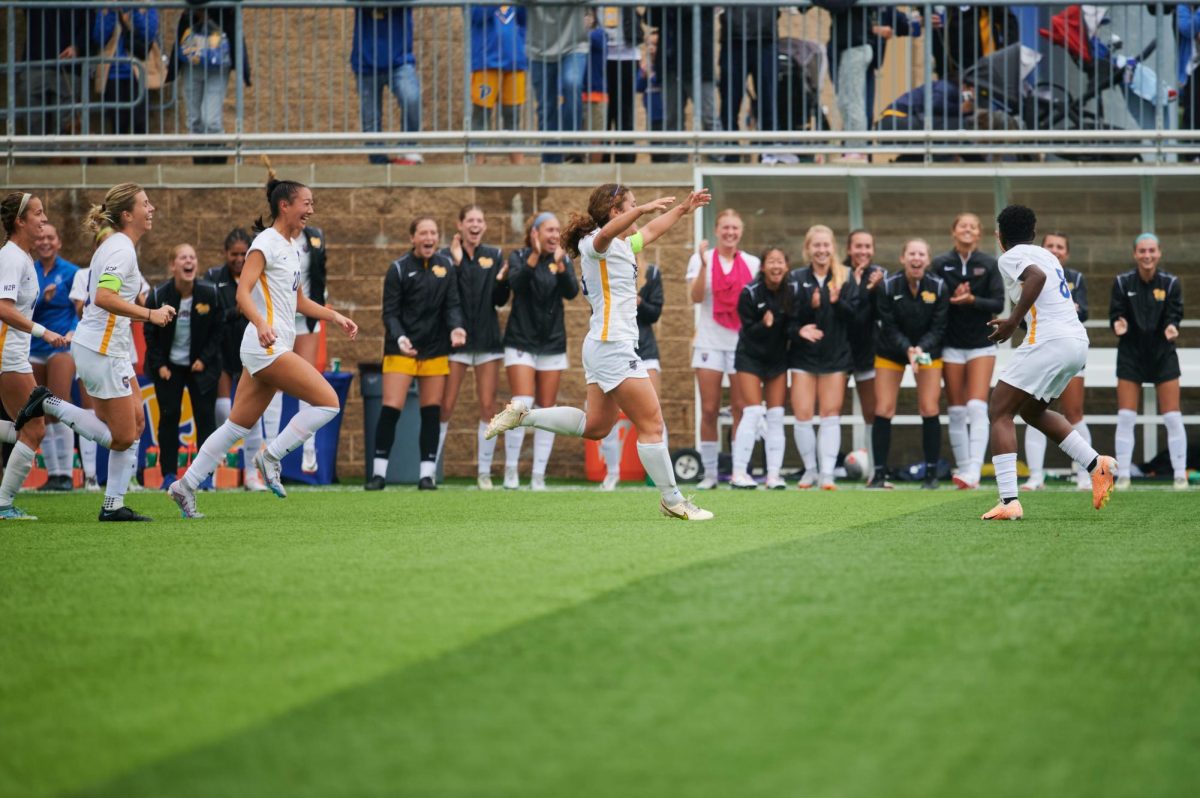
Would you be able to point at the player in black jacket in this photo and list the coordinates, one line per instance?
(541, 277)
(480, 271)
(1070, 403)
(912, 307)
(1145, 312)
(422, 320)
(310, 245)
(867, 276)
(824, 307)
(976, 297)
(764, 307)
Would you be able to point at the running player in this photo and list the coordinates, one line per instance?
(976, 296)
(867, 276)
(103, 345)
(422, 317)
(480, 270)
(1071, 401)
(761, 368)
(269, 295)
(616, 379)
(824, 307)
(1145, 312)
(1054, 350)
(912, 309)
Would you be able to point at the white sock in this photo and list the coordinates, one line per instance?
(224, 403)
(487, 449)
(829, 444)
(610, 451)
(212, 453)
(443, 426)
(543, 443)
(515, 437)
(775, 441)
(428, 468)
(1086, 434)
(958, 437)
(657, 462)
(380, 467)
(1006, 474)
(806, 444)
(251, 443)
(1126, 419)
(85, 422)
(310, 445)
(977, 434)
(271, 417)
(1078, 449)
(708, 456)
(1176, 442)
(302, 426)
(87, 453)
(1035, 453)
(870, 444)
(15, 472)
(8, 432)
(744, 438)
(666, 440)
(50, 448)
(66, 450)
(121, 468)
(559, 419)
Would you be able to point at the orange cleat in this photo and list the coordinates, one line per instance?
(1102, 481)
(1005, 512)
(963, 484)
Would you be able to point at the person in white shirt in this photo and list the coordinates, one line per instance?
(23, 218)
(607, 241)
(103, 345)
(269, 295)
(1054, 350)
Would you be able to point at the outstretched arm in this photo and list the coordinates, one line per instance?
(659, 225)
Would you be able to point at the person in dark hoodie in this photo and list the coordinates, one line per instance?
(748, 40)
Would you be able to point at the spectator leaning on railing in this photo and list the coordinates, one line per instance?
(122, 33)
(498, 67)
(675, 65)
(557, 42)
(622, 27)
(53, 42)
(748, 36)
(382, 55)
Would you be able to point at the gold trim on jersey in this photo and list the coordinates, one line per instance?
(1033, 326)
(604, 291)
(262, 281)
(108, 331)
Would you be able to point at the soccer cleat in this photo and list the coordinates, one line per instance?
(375, 483)
(426, 483)
(123, 514)
(512, 480)
(271, 474)
(309, 463)
(1083, 481)
(252, 482)
(14, 513)
(743, 482)
(962, 483)
(56, 483)
(930, 483)
(1004, 512)
(484, 481)
(1102, 481)
(684, 511)
(708, 483)
(91, 485)
(879, 483)
(185, 498)
(33, 406)
(508, 418)
(1034, 484)
(776, 483)
(610, 482)
(537, 482)
(807, 480)
(1122, 483)
(1180, 483)
(827, 483)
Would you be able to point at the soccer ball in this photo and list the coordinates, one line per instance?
(857, 464)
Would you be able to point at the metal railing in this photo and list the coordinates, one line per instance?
(614, 81)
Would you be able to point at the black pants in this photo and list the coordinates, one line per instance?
(170, 407)
(621, 79)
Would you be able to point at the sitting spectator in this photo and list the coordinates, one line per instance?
(382, 55)
(952, 108)
(557, 43)
(748, 40)
(674, 64)
(622, 27)
(50, 79)
(498, 64)
(122, 34)
(964, 34)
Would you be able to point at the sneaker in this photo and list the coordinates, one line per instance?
(776, 483)
(1180, 483)
(123, 514)
(512, 480)
(1102, 481)
(807, 480)
(708, 483)
(684, 511)
(930, 483)
(1122, 483)
(484, 481)
(309, 464)
(1034, 484)
(963, 483)
(426, 483)
(91, 485)
(183, 496)
(271, 473)
(374, 483)
(827, 483)
(33, 406)
(1004, 512)
(610, 482)
(252, 482)
(877, 482)
(537, 482)
(743, 482)
(14, 513)
(508, 418)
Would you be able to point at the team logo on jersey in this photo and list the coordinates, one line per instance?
(633, 365)
(1159, 294)
(439, 271)
(704, 357)
(316, 242)
(202, 308)
(928, 297)
(486, 263)
(1071, 286)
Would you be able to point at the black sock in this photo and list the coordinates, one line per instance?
(1006, 501)
(1092, 465)
(385, 430)
(431, 419)
(931, 442)
(881, 444)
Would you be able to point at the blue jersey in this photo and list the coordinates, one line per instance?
(57, 313)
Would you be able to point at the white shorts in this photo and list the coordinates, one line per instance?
(517, 357)
(256, 359)
(14, 360)
(651, 364)
(713, 360)
(864, 376)
(475, 358)
(104, 377)
(302, 325)
(1044, 370)
(610, 363)
(960, 356)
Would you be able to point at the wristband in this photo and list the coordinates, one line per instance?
(38, 331)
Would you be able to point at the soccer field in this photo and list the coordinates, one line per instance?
(574, 643)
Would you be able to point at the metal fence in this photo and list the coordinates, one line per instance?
(587, 81)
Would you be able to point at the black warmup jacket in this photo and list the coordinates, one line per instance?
(316, 272)
(536, 321)
(233, 323)
(207, 331)
(765, 345)
(862, 332)
(831, 353)
(480, 293)
(907, 319)
(966, 326)
(421, 302)
(1148, 307)
(649, 310)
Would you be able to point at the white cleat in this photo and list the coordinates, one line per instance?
(512, 479)
(183, 496)
(776, 482)
(309, 464)
(743, 482)
(708, 483)
(684, 511)
(251, 481)
(508, 418)
(610, 482)
(537, 482)
(1038, 484)
(1123, 483)
(91, 485)
(1083, 481)
(484, 481)
(807, 480)
(272, 474)
(1181, 483)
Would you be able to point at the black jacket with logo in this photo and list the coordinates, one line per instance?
(480, 293)
(862, 332)
(831, 353)
(648, 312)
(233, 323)
(315, 240)
(765, 345)
(966, 326)
(206, 331)
(420, 302)
(1148, 307)
(907, 319)
(536, 322)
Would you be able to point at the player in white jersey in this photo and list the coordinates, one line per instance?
(608, 241)
(1053, 352)
(269, 295)
(103, 345)
(23, 217)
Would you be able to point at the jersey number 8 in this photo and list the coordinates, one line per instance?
(1062, 285)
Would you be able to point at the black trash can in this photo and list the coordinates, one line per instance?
(404, 465)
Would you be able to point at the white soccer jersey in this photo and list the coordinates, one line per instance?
(79, 286)
(610, 284)
(275, 292)
(99, 330)
(18, 282)
(709, 334)
(1053, 313)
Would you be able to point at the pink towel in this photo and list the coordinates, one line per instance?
(725, 290)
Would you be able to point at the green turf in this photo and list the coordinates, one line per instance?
(572, 643)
